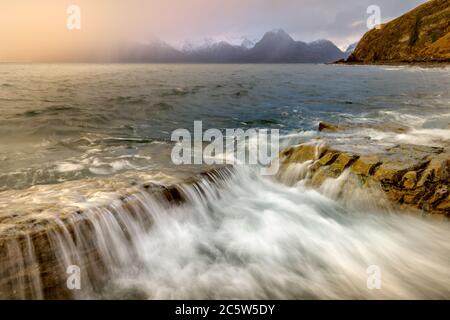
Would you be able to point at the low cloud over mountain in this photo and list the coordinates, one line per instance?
(275, 47)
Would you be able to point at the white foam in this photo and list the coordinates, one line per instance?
(69, 167)
(425, 137)
(259, 240)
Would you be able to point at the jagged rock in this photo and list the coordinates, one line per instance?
(437, 170)
(393, 171)
(411, 176)
(324, 126)
(328, 157)
(414, 177)
(440, 193)
(343, 161)
(302, 153)
(34, 223)
(444, 206)
(409, 180)
(365, 165)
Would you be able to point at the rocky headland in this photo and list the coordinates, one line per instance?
(421, 36)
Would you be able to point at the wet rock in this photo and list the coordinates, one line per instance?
(440, 193)
(37, 223)
(343, 161)
(324, 126)
(392, 172)
(366, 165)
(410, 176)
(437, 170)
(328, 157)
(409, 180)
(301, 153)
(444, 206)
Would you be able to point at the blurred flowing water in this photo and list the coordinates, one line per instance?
(243, 235)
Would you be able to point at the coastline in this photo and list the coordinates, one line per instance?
(421, 64)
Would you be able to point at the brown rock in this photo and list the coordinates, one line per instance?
(390, 172)
(328, 157)
(437, 170)
(31, 265)
(366, 165)
(409, 180)
(440, 193)
(343, 161)
(324, 126)
(444, 205)
(301, 154)
(399, 172)
(320, 176)
(410, 198)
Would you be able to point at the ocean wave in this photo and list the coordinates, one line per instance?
(243, 236)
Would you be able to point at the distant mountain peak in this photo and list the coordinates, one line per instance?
(247, 44)
(352, 47)
(275, 39)
(276, 46)
(188, 46)
(320, 41)
(278, 33)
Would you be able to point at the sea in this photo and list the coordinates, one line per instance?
(248, 236)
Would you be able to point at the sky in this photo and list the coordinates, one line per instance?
(36, 30)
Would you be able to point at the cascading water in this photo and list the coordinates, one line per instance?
(240, 235)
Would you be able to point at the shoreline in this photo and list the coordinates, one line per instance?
(430, 64)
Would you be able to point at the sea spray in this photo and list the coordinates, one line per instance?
(247, 236)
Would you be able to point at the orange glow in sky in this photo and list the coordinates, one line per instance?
(35, 30)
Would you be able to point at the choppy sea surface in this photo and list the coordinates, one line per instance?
(252, 237)
(66, 122)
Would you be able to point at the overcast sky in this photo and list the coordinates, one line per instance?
(33, 29)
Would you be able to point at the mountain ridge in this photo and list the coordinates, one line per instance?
(275, 46)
